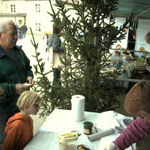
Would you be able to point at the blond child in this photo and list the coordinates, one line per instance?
(19, 128)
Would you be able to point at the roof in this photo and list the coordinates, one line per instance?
(140, 8)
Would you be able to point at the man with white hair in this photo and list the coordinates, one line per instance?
(15, 70)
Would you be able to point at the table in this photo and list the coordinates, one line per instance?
(60, 122)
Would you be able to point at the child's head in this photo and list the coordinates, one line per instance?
(27, 100)
(138, 98)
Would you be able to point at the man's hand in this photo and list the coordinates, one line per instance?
(30, 81)
(20, 88)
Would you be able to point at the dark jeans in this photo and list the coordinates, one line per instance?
(56, 75)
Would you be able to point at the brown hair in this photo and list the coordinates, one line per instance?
(138, 98)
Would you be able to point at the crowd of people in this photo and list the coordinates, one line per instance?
(18, 102)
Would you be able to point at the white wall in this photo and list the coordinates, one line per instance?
(119, 22)
(1, 6)
(142, 30)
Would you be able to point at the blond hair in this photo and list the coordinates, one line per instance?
(27, 99)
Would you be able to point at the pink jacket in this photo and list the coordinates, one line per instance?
(137, 130)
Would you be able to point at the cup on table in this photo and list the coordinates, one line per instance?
(88, 126)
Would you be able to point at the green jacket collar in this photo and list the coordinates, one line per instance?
(3, 53)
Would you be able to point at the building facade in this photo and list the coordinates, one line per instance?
(34, 13)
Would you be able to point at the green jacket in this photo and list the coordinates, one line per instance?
(13, 70)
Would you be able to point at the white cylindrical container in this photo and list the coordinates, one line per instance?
(98, 135)
(78, 105)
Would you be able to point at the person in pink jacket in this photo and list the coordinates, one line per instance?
(137, 103)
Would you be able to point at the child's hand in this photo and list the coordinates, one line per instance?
(111, 147)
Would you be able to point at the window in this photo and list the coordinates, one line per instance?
(12, 8)
(38, 26)
(37, 8)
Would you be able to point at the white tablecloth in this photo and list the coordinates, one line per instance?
(61, 122)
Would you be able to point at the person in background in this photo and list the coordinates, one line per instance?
(19, 128)
(117, 51)
(137, 103)
(24, 30)
(147, 38)
(131, 40)
(15, 70)
(54, 42)
(118, 47)
(19, 25)
(117, 58)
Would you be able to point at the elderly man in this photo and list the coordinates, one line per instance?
(15, 70)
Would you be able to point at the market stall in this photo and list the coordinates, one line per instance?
(132, 69)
